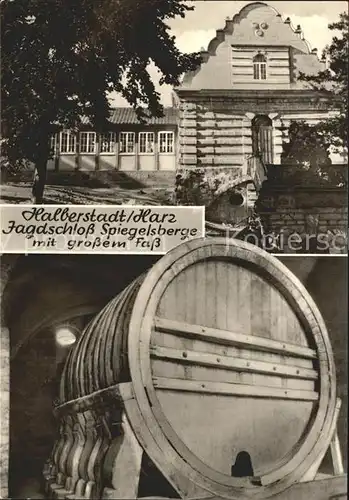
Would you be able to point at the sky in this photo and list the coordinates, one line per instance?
(195, 31)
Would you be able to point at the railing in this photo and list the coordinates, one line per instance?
(256, 170)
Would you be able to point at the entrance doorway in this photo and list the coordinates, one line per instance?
(262, 138)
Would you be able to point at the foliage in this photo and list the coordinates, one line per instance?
(201, 187)
(307, 146)
(333, 81)
(61, 58)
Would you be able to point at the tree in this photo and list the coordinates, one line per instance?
(333, 82)
(307, 146)
(61, 58)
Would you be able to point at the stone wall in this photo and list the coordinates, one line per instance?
(216, 130)
(306, 203)
(256, 27)
(7, 263)
(212, 134)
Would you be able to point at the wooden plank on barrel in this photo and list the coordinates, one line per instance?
(323, 489)
(232, 338)
(233, 363)
(229, 389)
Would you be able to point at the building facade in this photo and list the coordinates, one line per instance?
(242, 99)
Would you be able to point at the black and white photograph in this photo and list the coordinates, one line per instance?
(237, 106)
(173, 249)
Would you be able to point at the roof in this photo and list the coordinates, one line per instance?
(127, 116)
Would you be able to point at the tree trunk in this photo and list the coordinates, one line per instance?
(39, 179)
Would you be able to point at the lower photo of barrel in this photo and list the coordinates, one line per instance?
(211, 374)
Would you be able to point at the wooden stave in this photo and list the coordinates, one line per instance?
(85, 368)
(107, 316)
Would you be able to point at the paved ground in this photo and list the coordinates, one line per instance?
(21, 192)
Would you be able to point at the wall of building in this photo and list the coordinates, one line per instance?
(325, 278)
(279, 72)
(293, 200)
(213, 135)
(327, 284)
(217, 131)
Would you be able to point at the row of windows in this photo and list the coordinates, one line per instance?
(67, 142)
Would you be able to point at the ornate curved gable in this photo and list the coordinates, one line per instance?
(257, 29)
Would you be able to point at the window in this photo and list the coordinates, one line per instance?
(146, 143)
(262, 138)
(67, 142)
(108, 142)
(259, 67)
(127, 142)
(87, 142)
(166, 142)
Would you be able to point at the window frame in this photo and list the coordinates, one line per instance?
(69, 134)
(146, 134)
(89, 133)
(127, 153)
(166, 132)
(112, 139)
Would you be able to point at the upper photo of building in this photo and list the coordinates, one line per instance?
(238, 138)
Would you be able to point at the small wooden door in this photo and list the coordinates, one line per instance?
(262, 138)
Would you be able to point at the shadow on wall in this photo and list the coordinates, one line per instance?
(326, 280)
(328, 285)
(35, 374)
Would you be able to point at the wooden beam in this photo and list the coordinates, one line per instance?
(333, 488)
(124, 465)
(336, 454)
(324, 489)
(228, 389)
(314, 467)
(232, 363)
(98, 399)
(226, 337)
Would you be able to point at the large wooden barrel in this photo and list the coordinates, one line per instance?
(225, 356)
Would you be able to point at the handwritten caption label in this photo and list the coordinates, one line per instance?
(97, 229)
